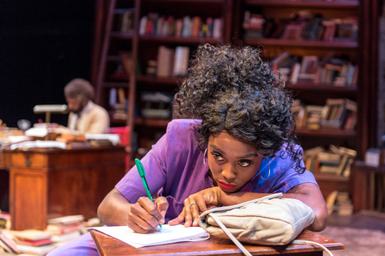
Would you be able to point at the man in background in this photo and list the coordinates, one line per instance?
(85, 116)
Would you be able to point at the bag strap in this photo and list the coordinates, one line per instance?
(300, 241)
(230, 235)
(247, 253)
(230, 207)
(211, 213)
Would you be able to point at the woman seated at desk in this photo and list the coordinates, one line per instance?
(239, 147)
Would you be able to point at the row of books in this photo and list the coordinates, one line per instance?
(123, 66)
(333, 70)
(170, 62)
(124, 21)
(156, 105)
(118, 102)
(301, 25)
(335, 160)
(154, 24)
(335, 114)
(59, 230)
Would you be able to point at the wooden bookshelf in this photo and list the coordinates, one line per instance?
(178, 40)
(115, 85)
(157, 123)
(145, 47)
(159, 81)
(270, 42)
(311, 93)
(327, 88)
(122, 35)
(340, 4)
(323, 132)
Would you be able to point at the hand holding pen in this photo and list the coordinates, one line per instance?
(146, 214)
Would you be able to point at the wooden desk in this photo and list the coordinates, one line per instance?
(50, 182)
(110, 246)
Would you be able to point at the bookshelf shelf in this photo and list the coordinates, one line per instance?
(323, 132)
(185, 1)
(178, 40)
(322, 88)
(122, 35)
(118, 121)
(115, 85)
(331, 177)
(302, 43)
(366, 168)
(306, 3)
(158, 123)
(113, 58)
(159, 81)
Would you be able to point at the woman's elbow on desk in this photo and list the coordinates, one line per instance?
(311, 195)
(113, 210)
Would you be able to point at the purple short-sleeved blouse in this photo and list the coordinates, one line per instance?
(175, 168)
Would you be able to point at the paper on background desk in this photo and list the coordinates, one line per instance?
(166, 235)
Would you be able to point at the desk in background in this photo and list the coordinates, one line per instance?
(50, 182)
(110, 246)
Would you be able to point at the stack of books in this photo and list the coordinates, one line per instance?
(157, 25)
(335, 114)
(5, 220)
(125, 20)
(331, 70)
(335, 160)
(65, 228)
(303, 25)
(170, 62)
(340, 203)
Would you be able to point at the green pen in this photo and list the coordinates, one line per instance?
(142, 175)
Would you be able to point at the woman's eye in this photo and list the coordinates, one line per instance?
(244, 163)
(217, 156)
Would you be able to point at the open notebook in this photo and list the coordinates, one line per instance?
(166, 235)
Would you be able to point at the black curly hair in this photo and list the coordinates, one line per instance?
(233, 90)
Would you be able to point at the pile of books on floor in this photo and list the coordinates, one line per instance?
(339, 202)
(5, 220)
(39, 242)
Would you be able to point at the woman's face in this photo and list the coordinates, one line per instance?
(232, 162)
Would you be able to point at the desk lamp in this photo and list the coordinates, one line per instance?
(48, 109)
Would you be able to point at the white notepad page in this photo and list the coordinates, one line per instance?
(166, 235)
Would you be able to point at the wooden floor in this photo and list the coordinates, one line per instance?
(362, 233)
(362, 220)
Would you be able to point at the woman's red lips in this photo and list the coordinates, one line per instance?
(225, 185)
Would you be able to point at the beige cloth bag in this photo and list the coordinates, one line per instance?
(270, 220)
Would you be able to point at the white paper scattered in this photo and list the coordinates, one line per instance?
(166, 235)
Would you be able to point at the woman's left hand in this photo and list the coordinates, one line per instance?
(196, 204)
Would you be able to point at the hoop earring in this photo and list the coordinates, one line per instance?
(205, 156)
(269, 171)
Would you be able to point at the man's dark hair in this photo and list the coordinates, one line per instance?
(79, 87)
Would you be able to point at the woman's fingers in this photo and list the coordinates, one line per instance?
(150, 207)
(188, 214)
(177, 220)
(194, 210)
(144, 215)
(162, 205)
(140, 220)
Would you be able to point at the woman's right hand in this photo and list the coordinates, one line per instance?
(144, 216)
